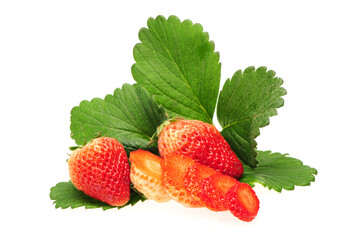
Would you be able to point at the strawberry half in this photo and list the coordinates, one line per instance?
(173, 168)
(243, 202)
(194, 176)
(101, 170)
(214, 190)
(145, 174)
(200, 141)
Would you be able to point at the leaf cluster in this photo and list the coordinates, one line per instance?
(178, 74)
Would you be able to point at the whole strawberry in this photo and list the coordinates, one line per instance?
(200, 141)
(101, 170)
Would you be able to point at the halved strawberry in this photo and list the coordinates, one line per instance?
(214, 189)
(194, 176)
(173, 168)
(243, 202)
(145, 174)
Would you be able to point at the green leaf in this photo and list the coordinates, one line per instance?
(65, 195)
(278, 171)
(176, 62)
(130, 115)
(245, 104)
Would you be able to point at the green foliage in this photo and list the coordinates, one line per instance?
(130, 115)
(278, 171)
(245, 104)
(65, 195)
(176, 62)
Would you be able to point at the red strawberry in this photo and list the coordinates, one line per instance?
(101, 170)
(173, 168)
(214, 189)
(194, 176)
(243, 202)
(200, 141)
(145, 174)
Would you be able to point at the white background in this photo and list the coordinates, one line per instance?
(53, 54)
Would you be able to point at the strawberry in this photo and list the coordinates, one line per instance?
(193, 177)
(101, 170)
(200, 141)
(173, 168)
(145, 174)
(243, 202)
(214, 190)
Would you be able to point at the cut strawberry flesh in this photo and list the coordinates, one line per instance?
(146, 161)
(214, 190)
(243, 202)
(193, 177)
(145, 174)
(173, 168)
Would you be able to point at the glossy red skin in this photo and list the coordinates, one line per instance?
(243, 202)
(101, 170)
(203, 143)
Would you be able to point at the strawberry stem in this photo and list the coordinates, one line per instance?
(161, 127)
(165, 123)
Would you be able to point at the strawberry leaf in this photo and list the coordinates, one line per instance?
(65, 195)
(278, 171)
(176, 62)
(245, 104)
(130, 115)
